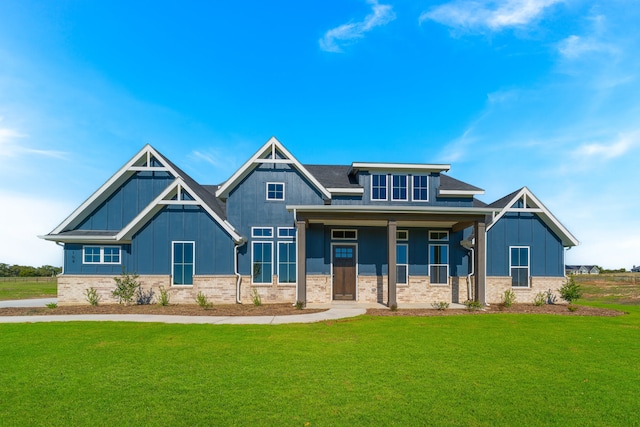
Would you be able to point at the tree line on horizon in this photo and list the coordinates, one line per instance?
(15, 270)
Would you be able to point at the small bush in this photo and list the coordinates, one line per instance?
(472, 305)
(52, 305)
(550, 297)
(255, 297)
(393, 307)
(163, 300)
(126, 287)
(440, 305)
(299, 305)
(572, 308)
(508, 298)
(570, 291)
(92, 296)
(202, 301)
(539, 299)
(144, 298)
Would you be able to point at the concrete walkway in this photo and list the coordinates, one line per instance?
(36, 302)
(331, 314)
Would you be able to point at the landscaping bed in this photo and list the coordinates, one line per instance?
(559, 309)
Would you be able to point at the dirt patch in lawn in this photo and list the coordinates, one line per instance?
(558, 309)
(173, 310)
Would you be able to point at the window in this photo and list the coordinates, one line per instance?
(275, 190)
(420, 188)
(286, 232)
(378, 187)
(101, 255)
(399, 187)
(402, 263)
(402, 235)
(343, 252)
(262, 262)
(438, 263)
(183, 265)
(286, 262)
(519, 266)
(344, 234)
(439, 236)
(262, 232)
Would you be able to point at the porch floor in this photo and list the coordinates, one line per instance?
(356, 304)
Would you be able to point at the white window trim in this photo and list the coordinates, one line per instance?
(253, 234)
(438, 265)
(295, 262)
(406, 283)
(344, 238)
(253, 245)
(407, 187)
(267, 191)
(439, 240)
(412, 187)
(102, 262)
(173, 248)
(286, 236)
(511, 266)
(402, 239)
(386, 177)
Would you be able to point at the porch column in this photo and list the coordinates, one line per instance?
(480, 261)
(301, 264)
(392, 273)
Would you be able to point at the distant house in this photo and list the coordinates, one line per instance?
(582, 269)
(390, 233)
(635, 269)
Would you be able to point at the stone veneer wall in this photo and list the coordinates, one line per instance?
(497, 285)
(270, 293)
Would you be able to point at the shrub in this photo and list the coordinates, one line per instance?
(92, 296)
(550, 297)
(299, 305)
(255, 297)
(126, 287)
(508, 298)
(144, 298)
(163, 300)
(52, 305)
(202, 300)
(393, 307)
(539, 299)
(572, 308)
(440, 305)
(472, 305)
(570, 291)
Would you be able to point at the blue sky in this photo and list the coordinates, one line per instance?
(542, 93)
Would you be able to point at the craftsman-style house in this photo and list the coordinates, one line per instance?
(392, 233)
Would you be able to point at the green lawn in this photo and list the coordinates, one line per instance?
(25, 289)
(462, 370)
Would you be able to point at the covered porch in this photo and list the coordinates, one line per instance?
(349, 254)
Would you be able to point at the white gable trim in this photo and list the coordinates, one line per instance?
(271, 147)
(106, 190)
(533, 205)
(164, 199)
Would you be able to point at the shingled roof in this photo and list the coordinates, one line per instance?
(333, 176)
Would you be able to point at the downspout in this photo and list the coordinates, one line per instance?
(236, 247)
(471, 273)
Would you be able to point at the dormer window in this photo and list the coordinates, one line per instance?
(420, 188)
(399, 187)
(378, 187)
(275, 190)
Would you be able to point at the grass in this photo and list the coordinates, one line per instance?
(469, 370)
(618, 288)
(25, 289)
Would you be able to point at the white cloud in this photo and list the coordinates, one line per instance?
(621, 146)
(491, 15)
(574, 47)
(336, 38)
(10, 148)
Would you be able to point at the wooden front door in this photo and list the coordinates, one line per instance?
(344, 272)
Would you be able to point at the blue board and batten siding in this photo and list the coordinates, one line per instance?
(524, 229)
(127, 202)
